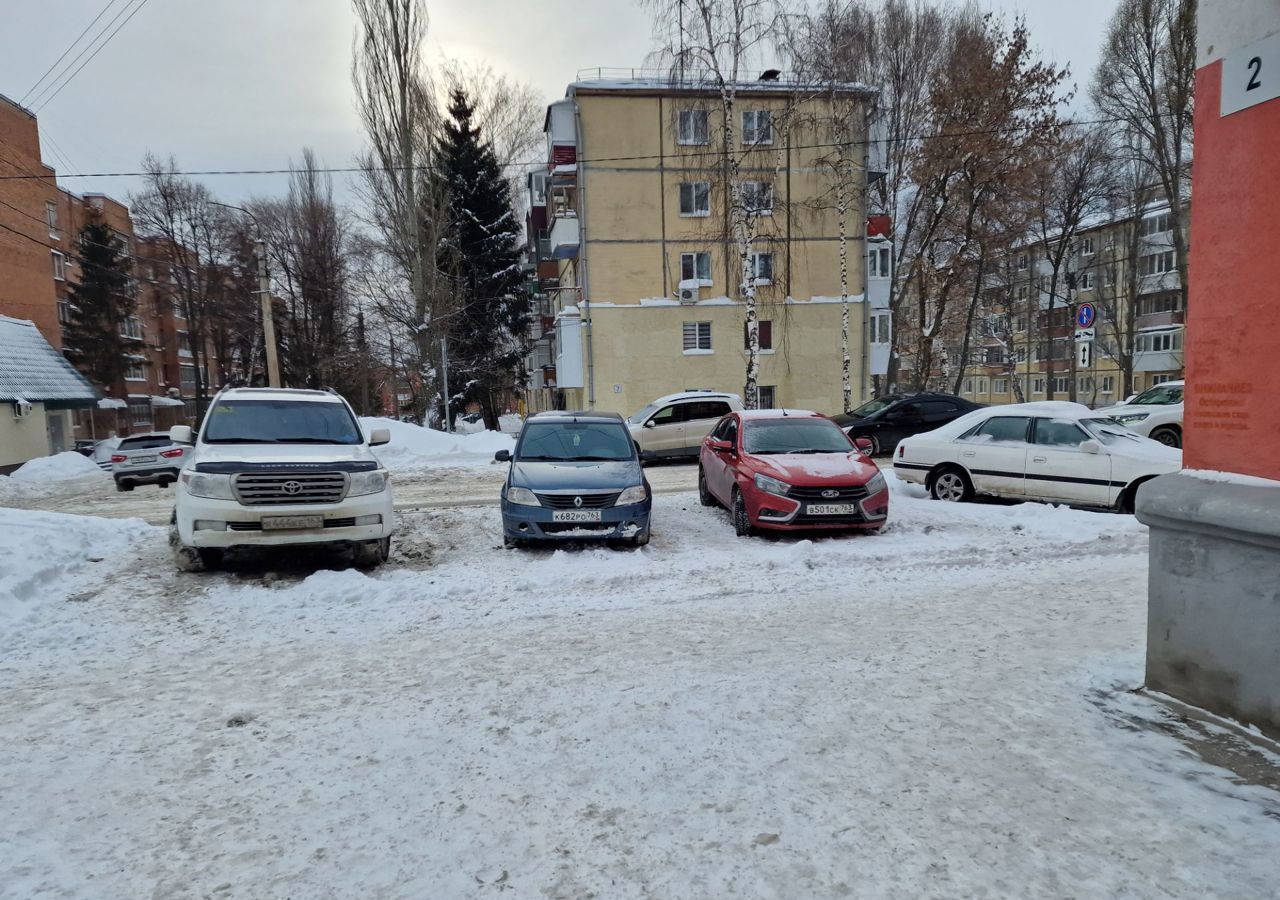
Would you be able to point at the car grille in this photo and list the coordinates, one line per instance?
(256, 526)
(559, 527)
(589, 501)
(819, 495)
(289, 488)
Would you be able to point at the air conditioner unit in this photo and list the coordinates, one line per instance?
(687, 291)
(21, 408)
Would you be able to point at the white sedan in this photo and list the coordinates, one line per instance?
(1052, 451)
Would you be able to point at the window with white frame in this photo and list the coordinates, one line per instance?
(135, 370)
(880, 327)
(140, 413)
(1037, 384)
(692, 127)
(1084, 384)
(1109, 276)
(1087, 247)
(697, 337)
(757, 127)
(59, 266)
(64, 311)
(1061, 384)
(762, 267)
(1000, 386)
(983, 386)
(757, 197)
(1020, 323)
(1157, 224)
(1108, 384)
(1161, 379)
(1086, 282)
(187, 376)
(1022, 293)
(696, 267)
(768, 396)
(131, 328)
(51, 217)
(878, 260)
(968, 386)
(1156, 263)
(764, 334)
(1023, 262)
(1159, 342)
(695, 198)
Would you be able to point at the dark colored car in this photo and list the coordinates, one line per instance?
(888, 419)
(575, 475)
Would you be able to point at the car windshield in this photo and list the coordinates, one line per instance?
(1107, 431)
(794, 436)
(280, 422)
(873, 406)
(641, 417)
(1160, 395)
(575, 441)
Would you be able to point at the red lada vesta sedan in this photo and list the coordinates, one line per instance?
(790, 470)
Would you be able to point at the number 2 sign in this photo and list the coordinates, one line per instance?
(1251, 75)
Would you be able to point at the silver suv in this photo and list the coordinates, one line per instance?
(674, 426)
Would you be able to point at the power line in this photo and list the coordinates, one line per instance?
(49, 99)
(70, 47)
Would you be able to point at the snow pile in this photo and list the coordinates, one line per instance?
(414, 448)
(60, 467)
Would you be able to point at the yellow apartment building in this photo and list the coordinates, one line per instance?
(639, 288)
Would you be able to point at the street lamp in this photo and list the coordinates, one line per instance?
(264, 297)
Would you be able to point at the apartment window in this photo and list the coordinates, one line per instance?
(1020, 323)
(1109, 276)
(1084, 384)
(768, 396)
(1157, 224)
(140, 413)
(1022, 294)
(696, 267)
(757, 127)
(1000, 386)
(695, 198)
(983, 386)
(131, 328)
(64, 311)
(122, 243)
(880, 327)
(878, 262)
(1161, 379)
(764, 331)
(693, 127)
(51, 217)
(1022, 262)
(968, 386)
(1085, 282)
(1061, 384)
(757, 197)
(1155, 263)
(1170, 301)
(1037, 385)
(187, 375)
(1159, 342)
(1087, 246)
(697, 337)
(1020, 354)
(135, 371)
(762, 267)
(59, 266)
(1108, 384)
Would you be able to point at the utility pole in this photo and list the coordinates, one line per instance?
(395, 389)
(268, 315)
(444, 360)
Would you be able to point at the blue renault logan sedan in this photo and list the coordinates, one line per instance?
(575, 475)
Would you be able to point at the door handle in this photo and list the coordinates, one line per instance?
(1039, 459)
(968, 453)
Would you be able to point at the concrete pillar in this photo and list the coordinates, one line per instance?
(1213, 637)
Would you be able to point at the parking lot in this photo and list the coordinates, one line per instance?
(893, 715)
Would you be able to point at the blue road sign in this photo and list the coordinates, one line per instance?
(1085, 315)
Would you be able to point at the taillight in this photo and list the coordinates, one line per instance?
(170, 454)
(902, 449)
(118, 457)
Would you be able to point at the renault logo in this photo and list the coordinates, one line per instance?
(830, 494)
(577, 501)
(291, 487)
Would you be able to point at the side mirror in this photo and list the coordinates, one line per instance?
(379, 436)
(502, 456)
(722, 446)
(649, 424)
(648, 455)
(864, 445)
(181, 434)
(1090, 447)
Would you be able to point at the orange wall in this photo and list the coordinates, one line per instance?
(1233, 316)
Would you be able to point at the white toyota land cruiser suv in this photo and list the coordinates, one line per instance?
(274, 467)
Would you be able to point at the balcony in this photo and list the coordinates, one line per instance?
(1162, 319)
(564, 237)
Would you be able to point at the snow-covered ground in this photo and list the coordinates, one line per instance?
(937, 711)
(414, 448)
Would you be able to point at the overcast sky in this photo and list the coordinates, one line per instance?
(246, 84)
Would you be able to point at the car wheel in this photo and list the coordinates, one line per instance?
(192, 559)
(741, 521)
(641, 539)
(509, 542)
(876, 450)
(952, 485)
(705, 496)
(1169, 436)
(371, 554)
(123, 486)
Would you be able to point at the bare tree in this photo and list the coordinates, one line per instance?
(1146, 80)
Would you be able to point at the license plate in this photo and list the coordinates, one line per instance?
(291, 523)
(135, 460)
(576, 515)
(831, 509)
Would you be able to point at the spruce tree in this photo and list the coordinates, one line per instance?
(486, 336)
(100, 304)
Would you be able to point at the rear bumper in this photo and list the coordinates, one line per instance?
(146, 476)
(537, 523)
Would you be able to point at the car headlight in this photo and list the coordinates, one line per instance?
(876, 484)
(772, 485)
(211, 487)
(1131, 417)
(637, 494)
(363, 483)
(522, 496)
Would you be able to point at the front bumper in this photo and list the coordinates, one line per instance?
(244, 523)
(779, 513)
(537, 523)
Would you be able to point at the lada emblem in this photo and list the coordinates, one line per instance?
(830, 494)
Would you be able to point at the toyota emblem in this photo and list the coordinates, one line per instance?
(577, 501)
(830, 494)
(292, 487)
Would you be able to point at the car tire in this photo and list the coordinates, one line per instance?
(193, 559)
(741, 521)
(641, 539)
(952, 484)
(1168, 435)
(371, 554)
(705, 497)
(122, 486)
(510, 543)
(875, 444)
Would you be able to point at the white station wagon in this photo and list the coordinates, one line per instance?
(1052, 451)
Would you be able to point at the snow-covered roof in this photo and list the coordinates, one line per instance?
(695, 395)
(30, 369)
(748, 414)
(166, 401)
(305, 395)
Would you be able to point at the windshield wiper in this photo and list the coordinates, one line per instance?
(306, 440)
(820, 451)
